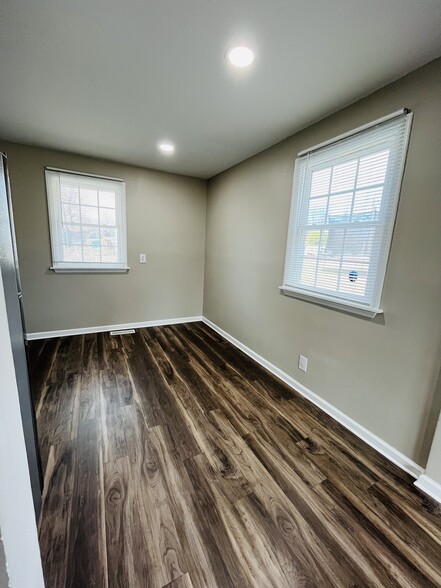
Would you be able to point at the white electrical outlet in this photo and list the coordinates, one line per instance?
(303, 363)
(142, 258)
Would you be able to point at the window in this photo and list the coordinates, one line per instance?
(87, 220)
(344, 202)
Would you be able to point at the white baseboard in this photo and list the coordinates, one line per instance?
(371, 439)
(105, 328)
(429, 486)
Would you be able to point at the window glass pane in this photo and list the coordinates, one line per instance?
(317, 211)
(354, 277)
(340, 208)
(69, 194)
(109, 255)
(343, 176)
(107, 199)
(70, 213)
(373, 169)
(309, 268)
(89, 196)
(71, 235)
(312, 242)
(107, 216)
(332, 242)
(91, 254)
(327, 273)
(109, 238)
(367, 204)
(311, 246)
(358, 243)
(91, 237)
(320, 182)
(89, 215)
(72, 253)
(322, 258)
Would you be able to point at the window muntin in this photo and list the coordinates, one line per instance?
(87, 222)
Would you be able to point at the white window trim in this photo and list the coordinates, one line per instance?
(328, 300)
(58, 269)
(55, 219)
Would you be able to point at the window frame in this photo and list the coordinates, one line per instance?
(300, 201)
(54, 204)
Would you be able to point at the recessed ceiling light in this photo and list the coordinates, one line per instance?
(166, 147)
(240, 56)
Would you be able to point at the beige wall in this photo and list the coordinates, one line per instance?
(380, 372)
(165, 219)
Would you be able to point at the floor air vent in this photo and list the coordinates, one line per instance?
(122, 332)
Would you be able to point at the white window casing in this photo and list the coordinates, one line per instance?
(87, 219)
(344, 203)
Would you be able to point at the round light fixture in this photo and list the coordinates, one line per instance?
(240, 56)
(166, 147)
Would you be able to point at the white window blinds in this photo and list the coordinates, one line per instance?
(344, 202)
(87, 222)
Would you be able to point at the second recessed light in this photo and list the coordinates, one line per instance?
(166, 147)
(240, 56)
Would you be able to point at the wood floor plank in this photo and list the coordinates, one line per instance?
(56, 417)
(230, 394)
(224, 559)
(379, 518)
(273, 534)
(144, 386)
(112, 418)
(56, 513)
(43, 354)
(243, 364)
(182, 493)
(157, 510)
(172, 460)
(422, 510)
(58, 367)
(300, 463)
(86, 549)
(89, 359)
(334, 464)
(181, 582)
(264, 465)
(311, 524)
(375, 541)
(180, 359)
(171, 386)
(208, 436)
(128, 558)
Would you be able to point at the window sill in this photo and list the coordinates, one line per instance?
(89, 270)
(352, 308)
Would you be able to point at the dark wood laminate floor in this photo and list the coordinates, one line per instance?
(172, 459)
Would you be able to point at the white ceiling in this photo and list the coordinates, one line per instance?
(110, 78)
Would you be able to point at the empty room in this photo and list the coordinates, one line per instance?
(220, 294)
